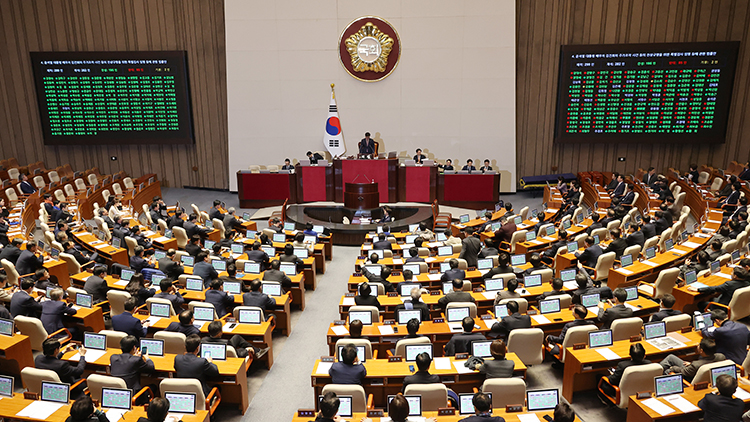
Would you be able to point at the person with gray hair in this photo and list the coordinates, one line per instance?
(415, 303)
(230, 221)
(53, 311)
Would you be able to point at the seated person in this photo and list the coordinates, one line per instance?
(548, 256)
(158, 409)
(53, 311)
(536, 264)
(83, 410)
(299, 242)
(509, 292)
(557, 289)
(129, 324)
(130, 364)
(579, 313)
(706, 351)
(204, 269)
(51, 358)
(415, 302)
(482, 410)
(42, 280)
(731, 336)
(457, 295)
(503, 266)
(511, 322)
(498, 367)
(138, 261)
(469, 165)
(273, 273)
(617, 311)
(355, 329)
(364, 297)
(287, 165)
(454, 272)
(170, 292)
(448, 166)
(414, 255)
(726, 289)
(219, 298)
(329, 405)
(422, 376)
(585, 287)
(382, 242)
(450, 238)
(461, 342)
(412, 328)
(96, 285)
(140, 289)
(382, 278)
(563, 413)
(194, 247)
(637, 355)
(255, 297)
(185, 324)
(22, 303)
(489, 249)
(190, 365)
(698, 265)
(289, 256)
(665, 310)
(722, 406)
(241, 346)
(348, 371)
(425, 233)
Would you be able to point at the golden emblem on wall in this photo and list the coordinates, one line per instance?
(369, 48)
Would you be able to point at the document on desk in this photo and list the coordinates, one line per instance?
(652, 264)
(528, 417)
(161, 239)
(489, 295)
(385, 329)
(490, 322)
(570, 285)
(398, 261)
(633, 308)
(535, 242)
(691, 245)
(434, 244)
(724, 275)
(607, 353)
(442, 363)
(624, 271)
(152, 320)
(348, 301)
(121, 283)
(323, 368)
(92, 355)
(657, 406)
(339, 330)
(540, 319)
(40, 410)
(114, 415)
(434, 277)
(548, 238)
(594, 310)
(681, 403)
(460, 368)
(741, 393)
(429, 259)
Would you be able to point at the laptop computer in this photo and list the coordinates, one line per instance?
(289, 226)
(154, 347)
(409, 238)
(530, 235)
(288, 268)
(549, 306)
(217, 351)
(117, 398)
(501, 311)
(590, 300)
(632, 292)
(249, 316)
(412, 350)
(466, 403)
(481, 348)
(279, 238)
(730, 370)
(233, 287)
(518, 260)
(533, 280)
(542, 400)
(650, 252)
(236, 248)
(445, 250)
(494, 284)
(626, 260)
(252, 267)
(301, 253)
(406, 288)
(271, 289)
(568, 275)
(161, 310)
(219, 265)
(6, 386)
(379, 252)
(600, 338)
(159, 255)
(187, 260)
(194, 284)
(445, 266)
(181, 402)
(702, 321)
(360, 353)
(415, 404)
(6, 327)
(463, 218)
(57, 392)
(457, 314)
(447, 288)
(485, 264)
(203, 313)
(572, 247)
(269, 250)
(403, 316)
(667, 385)
(414, 268)
(364, 316)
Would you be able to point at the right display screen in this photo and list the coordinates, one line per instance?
(677, 92)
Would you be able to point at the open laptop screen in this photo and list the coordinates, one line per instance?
(181, 402)
(466, 403)
(55, 392)
(6, 386)
(415, 404)
(6, 327)
(654, 330)
(481, 348)
(600, 338)
(116, 398)
(542, 399)
(457, 314)
(406, 315)
(668, 384)
(154, 347)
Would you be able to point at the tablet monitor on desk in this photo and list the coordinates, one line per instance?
(464, 218)
(669, 244)
(168, 233)
(410, 238)
(445, 251)
(55, 392)
(735, 256)
(249, 316)
(501, 311)
(181, 402)
(194, 284)
(481, 348)
(288, 268)
(271, 289)
(632, 292)
(301, 253)
(289, 226)
(210, 224)
(84, 300)
(154, 347)
(530, 235)
(233, 287)
(250, 234)
(457, 314)
(407, 287)
(654, 330)
(568, 275)
(414, 268)
(94, 341)
(626, 261)
(116, 398)
(667, 385)
(246, 216)
(691, 277)
(415, 404)
(715, 267)
(572, 247)
(6, 327)
(187, 260)
(203, 313)
(445, 266)
(159, 255)
(533, 280)
(542, 399)
(730, 370)
(54, 253)
(219, 265)
(549, 306)
(650, 252)
(374, 269)
(466, 403)
(252, 267)
(579, 218)
(116, 242)
(485, 264)
(413, 350)
(236, 248)
(414, 227)
(600, 338)
(269, 250)
(517, 220)
(318, 229)
(702, 321)
(311, 239)
(217, 351)
(494, 284)
(590, 300)
(441, 237)
(6, 386)
(379, 252)
(550, 230)
(279, 238)
(364, 316)
(596, 239)
(518, 260)
(360, 353)
(447, 288)
(161, 310)
(127, 274)
(494, 227)
(567, 224)
(345, 406)
(406, 315)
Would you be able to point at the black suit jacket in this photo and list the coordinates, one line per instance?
(221, 300)
(23, 304)
(175, 221)
(191, 366)
(510, 323)
(11, 253)
(192, 249)
(129, 324)
(660, 225)
(615, 378)
(382, 244)
(606, 316)
(718, 408)
(420, 377)
(425, 310)
(28, 263)
(470, 250)
(617, 246)
(455, 297)
(590, 255)
(726, 290)
(171, 268)
(649, 230)
(97, 287)
(659, 316)
(129, 368)
(453, 274)
(366, 147)
(67, 372)
(461, 343)
(636, 238)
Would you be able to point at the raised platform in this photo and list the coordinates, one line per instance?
(331, 217)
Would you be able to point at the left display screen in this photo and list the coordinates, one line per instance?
(134, 97)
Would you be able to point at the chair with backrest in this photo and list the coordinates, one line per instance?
(679, 200)
(357, 342)
(372, 309)
(219, 225)
(635, 378)
(546, 274)
(703, 374)
(32, 379)
(174, 343)
(612, 225)
(574, 335)
(527, 344)
(434, 396)
(471, 305)
(676, 322)
(192, 385)
(517, 237)
(524, 213)
(116, 299)
(33, 328)
(401, 344)
(113, 338)
(651, 242)
(739, 305)
(180, 236)
(716, 185)
(505, 391)
(523, 304)
(95, 383)
(703, 177)
(162, 301)
(624, 328)
(39, 182)
(73, 292)
(581, 240)
(10, 272)
(360, 400)
(565, 300)
(634, 251)
(664, 284)
(131, 245)
(603, 265)
(601, 232)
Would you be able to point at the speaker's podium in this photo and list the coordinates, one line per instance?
(361, 196)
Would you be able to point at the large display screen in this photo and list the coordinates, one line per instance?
(133, 97)
(645, 92)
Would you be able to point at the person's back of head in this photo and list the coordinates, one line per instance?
(231, 270)
(503, 260)
(381, 237)
(482, 403)
(415, 294)
(557, 284)
(535, 260)
(589, 241)
(192, 342)
(201, 257)
(512, 306)
(398, 408)
(128, 343)
(595, 217)
(82, 409)
(288, 249)
(186, 317)
(385, 273)
(418, 242)
(740, 273)
(216, 284)
(458, 284)
(365, 289)
(620, 294)
(255, 285)
(138, 251)
(718, 315)
(498, 349)
(50, 346)
(708, 345)
(637, 352)
(158, 409)
(348, 354)
(165, 284)
(580, 311)
(512, 285)
(408, 275)
(412, 327)
(453, 263)
(615, 233)
(563, 413)
(668, 301)
(468, 324)
(413, 252)
(508, 206)
(423, 361)
(214, 329)
(355, 328)
(726, 384)
(129, 304)
(374, 258)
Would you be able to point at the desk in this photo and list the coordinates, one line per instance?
(15, 354)
(109, 252)
(687, 300)
(509, 417)
(58, 268)
(258, 190)
(469, 190)
(314, 183)
(639, 412)
(382, 172)
(385, 378)
(417, 183)
(583, 366)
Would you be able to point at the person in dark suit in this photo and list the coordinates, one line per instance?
(448, 166)
(204, 269)
(414, 255)
(169, 267)
(628, 197)
(729, 205)
(26, 187)
(488, 250)
(140, 289)
(240, 345)
(275, 274)
(619, 190)
(382, 243)
(486, 166)
(665, 310)
(171, 293)
(364, 298)
(661, 222)
(573, 197)
(548, 256)
(457, 295)
(43, 280)
(28, 261)
(53, 311)
(693, 174)
(591, 254)
(579, 313)
(287, 165)
(51, 358)
(482, 410)
(21, 303)
(218, 297)
(722, 407)
(129, 324)
(190, 365)
(230, 220)
(536, 264)
(12, 251)
(176, 219)
(184, 325)
(82, 258)
(193, 248)
(617, 311)
(461, 342)
(4, 227)
(726, 289)
(348, 371)
(503, 266)
(505, 232)
(158, 409)
(498, 367)
(314, 157)
(731, 337)
(698, 265)
(635, 236)
(138, 262)
(422, 376)
(419, 157)
(650, 177)
(586, 286)
(637, 355)
(511, 322)
(706, 351)
(648, 228)
(257, 298)
(469, 166)
(415, 302)
(83, 410)
(191, 228)
(96, 285)
(256, 254)
(617, 245)
(382, 278)
(367, 145)
(130, 364)
(215, 212)
(597, 223)
(470, 247)
(329, 407)
(557, 289)
(454, 273)
(140, 239)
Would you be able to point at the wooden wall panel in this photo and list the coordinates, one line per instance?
(196, 26)
(543, 26)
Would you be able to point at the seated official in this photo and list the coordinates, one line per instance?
(230, 220)
(414, 255)
(424, 232)
(28, 261)
(241, 346)
(618, 245)
(299, 242)
(510, 291)
(511, 322)
(329, 408)
(142, 241)
(215, 211)
(51, 358)
(289, 257)
(617, 311)
(129, 324)
(461, 342)
(257, 298)
(563, 413)
(314, 158)
(12, 251)
(731, 337)
(169, 266)
(419, 157)
(503, 266)
(586, 286)
(469, 166)
(454, 272)
(158, 409)
(382, 243)
(22, 303)
(412, 328)
(457, 295)
(83, 410)
(637, 355)
(448, 166)
(82, 258)
(726, 290)
(415, 302)
(422, 376)
(557, 289)
(482, 410)
(194, 247)
(184, 325)
(355, 329)
(140, 289)
(287, 165)
(192, 228)
(548, 256)
(722, 406)
(190, 365)
(367, 145)
(579, 315)
(706, 351)
(486, 166)
(590, 254)
(536, 264)
(635, 235)
(498, 366)
(382, 278)
(489, 249)
(275, 274)
(138, 261)
(54, 310)
(665, 309)
(176, 220)
(170, 292)
(216, 296)
(596, 223)
(26, 187)
(42, 280)
(256, 254)
(365, 298)
(131, 364)
(348, 371)
(204, 269)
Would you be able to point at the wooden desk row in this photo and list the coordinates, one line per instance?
(638, 411)
(509, 417)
